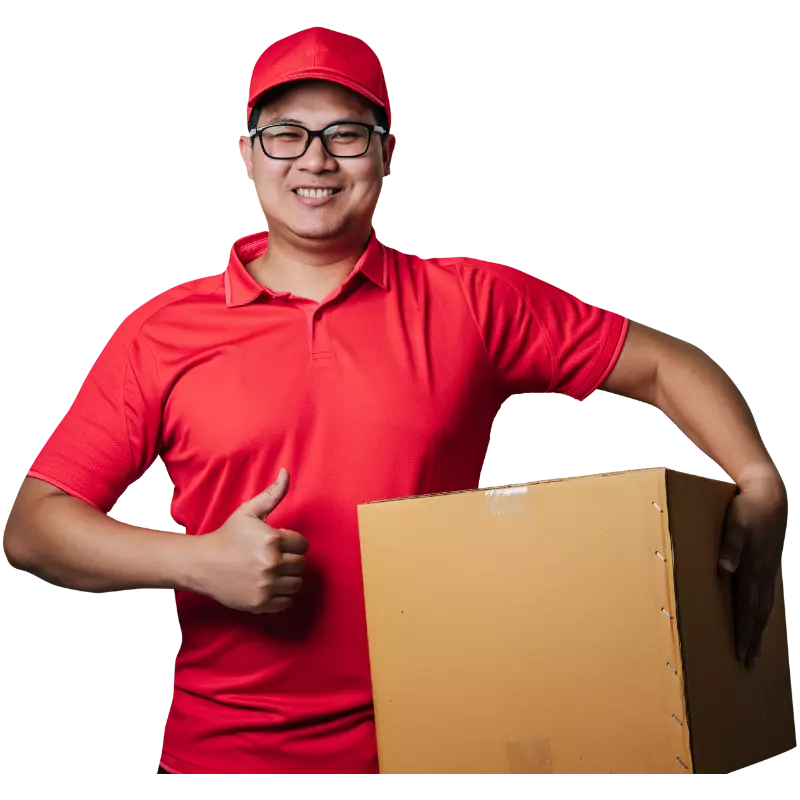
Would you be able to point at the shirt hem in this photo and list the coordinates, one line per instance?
(64, 486)
(186, 767)
(169, 769)
(608, 361)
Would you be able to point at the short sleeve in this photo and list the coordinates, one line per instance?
(539, 338)
(110, 434)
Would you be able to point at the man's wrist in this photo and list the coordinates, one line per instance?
(762, 478)
(190, 563)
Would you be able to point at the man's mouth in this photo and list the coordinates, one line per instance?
(315, 192)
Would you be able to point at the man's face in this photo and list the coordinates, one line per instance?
(316, 104)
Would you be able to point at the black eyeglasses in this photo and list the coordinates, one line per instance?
(343, 139)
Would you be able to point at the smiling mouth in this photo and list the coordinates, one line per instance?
(315, 195)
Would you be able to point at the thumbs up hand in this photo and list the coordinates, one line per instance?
(249, 565)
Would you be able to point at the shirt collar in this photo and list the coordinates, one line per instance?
(242, 288)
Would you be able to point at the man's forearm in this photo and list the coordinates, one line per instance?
(698, 396)
(67, 542)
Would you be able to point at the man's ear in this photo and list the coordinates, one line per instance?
(245, 146)
(388, 149)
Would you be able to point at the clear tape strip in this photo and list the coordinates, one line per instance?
(508, 500)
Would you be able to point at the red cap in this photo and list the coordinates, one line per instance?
(320, 53)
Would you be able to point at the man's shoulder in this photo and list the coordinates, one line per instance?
(486, 273)
(174, 298)
(207, 285)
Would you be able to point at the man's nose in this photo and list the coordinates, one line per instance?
(315, 154)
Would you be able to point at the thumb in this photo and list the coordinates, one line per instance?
(732, 546)
(265, 502)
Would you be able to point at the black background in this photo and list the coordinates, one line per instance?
(678, 207)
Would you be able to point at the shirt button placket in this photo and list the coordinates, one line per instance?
(318, 333)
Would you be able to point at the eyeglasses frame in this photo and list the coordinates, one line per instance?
(313, 135)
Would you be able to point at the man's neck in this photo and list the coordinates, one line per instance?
(307, 273)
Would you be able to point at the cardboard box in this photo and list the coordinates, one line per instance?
(577, 625)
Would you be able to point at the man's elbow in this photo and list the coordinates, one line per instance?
(19, 527)
(12, 547)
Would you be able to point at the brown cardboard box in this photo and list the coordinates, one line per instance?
(575, 625)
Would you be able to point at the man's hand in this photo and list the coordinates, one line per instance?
(755, 527)
(700, 398)
(247, 564)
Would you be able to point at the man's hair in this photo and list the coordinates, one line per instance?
(379, 112)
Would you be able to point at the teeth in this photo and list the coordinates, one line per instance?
(314, 192)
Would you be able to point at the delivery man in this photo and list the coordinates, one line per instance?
(323, 357)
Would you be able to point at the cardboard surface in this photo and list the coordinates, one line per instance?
(737, 716)
(547, 627)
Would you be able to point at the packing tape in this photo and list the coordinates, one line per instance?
(508, 500)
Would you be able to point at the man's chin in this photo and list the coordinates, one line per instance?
(319, 232)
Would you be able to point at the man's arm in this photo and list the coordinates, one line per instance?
(67, 542)
(695, 393)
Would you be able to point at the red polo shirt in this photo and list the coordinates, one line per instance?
(387, 388)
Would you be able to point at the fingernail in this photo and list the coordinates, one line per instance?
(726, 565)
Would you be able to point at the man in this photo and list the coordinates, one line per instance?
(363, 373)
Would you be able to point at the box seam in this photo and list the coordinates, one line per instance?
(666, 537)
